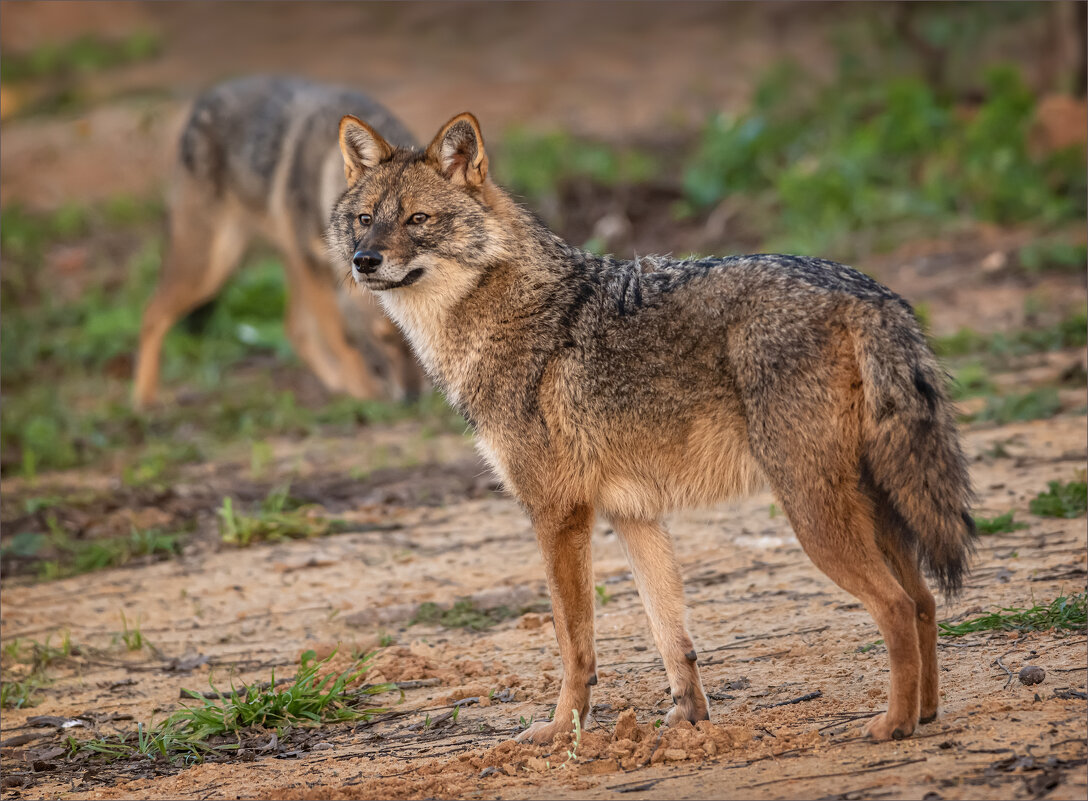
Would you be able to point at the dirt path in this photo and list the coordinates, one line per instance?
(769, 628)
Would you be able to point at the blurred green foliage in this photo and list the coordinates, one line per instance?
(534, 164)
(1062, 499)
(1069, 332)
(60, 358)
(86, 54)
(877, 155)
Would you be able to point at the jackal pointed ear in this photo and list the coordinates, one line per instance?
(459, 151)
(362, 146)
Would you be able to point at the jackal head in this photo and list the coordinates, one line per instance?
(425, 220)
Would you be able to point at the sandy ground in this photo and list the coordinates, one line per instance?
(768, 626)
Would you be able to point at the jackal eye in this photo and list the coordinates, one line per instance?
(418, 218)
(364, 219)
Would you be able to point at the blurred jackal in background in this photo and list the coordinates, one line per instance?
(259, 156)
(632, 388)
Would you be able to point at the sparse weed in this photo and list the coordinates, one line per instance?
(1066, 500)
(602, 594)
(133, 637)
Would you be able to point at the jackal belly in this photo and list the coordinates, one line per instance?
(645, 473)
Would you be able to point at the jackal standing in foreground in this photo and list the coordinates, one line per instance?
(632, 388)
(256, 156)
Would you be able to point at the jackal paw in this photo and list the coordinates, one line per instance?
(692, 708)
(882, 728)
(544, 731)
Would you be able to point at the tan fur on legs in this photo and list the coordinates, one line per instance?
(205, 246)
(657, 576)
(905, 567)
(838, 535)
(316, 330)
(564, 544)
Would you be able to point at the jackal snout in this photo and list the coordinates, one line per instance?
(365, 262)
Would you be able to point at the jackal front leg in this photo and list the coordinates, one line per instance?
(564, 545)
(657, 576)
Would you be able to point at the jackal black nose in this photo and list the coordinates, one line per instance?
(366, 261)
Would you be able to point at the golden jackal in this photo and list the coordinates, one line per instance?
(257, 157)
(632, 388)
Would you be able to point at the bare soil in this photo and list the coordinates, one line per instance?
(783, 651)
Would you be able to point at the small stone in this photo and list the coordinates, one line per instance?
(1032, 674)
(675, 754)
(322, 746)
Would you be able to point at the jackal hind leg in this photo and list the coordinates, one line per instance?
(657, 576)
(565, 547)
(834, 524)
(315, 327)
(903, 561)
(206, 243)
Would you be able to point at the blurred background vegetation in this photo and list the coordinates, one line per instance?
(907, 134)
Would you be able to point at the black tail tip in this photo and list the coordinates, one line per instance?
(950, 569)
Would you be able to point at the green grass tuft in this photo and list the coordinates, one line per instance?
(1066, 500)
(312, 698)
(1002, 524)
(132, 637)
(279, 518)
(1068, 612)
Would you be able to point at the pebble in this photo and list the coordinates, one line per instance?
(1032, 674)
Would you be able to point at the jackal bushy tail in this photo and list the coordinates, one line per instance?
(911, 453)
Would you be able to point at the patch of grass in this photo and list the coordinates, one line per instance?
(56, 554)
(1036, 404)
(463, 614)
(1066, 500)
(1053, 255)
(602, 594)
(16, 694)
(1070, 332)
(534, 164)
(280, 517)
(971, 380)
(1001, 524)
(314, 697)
(83, 55)
(1067, 612)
